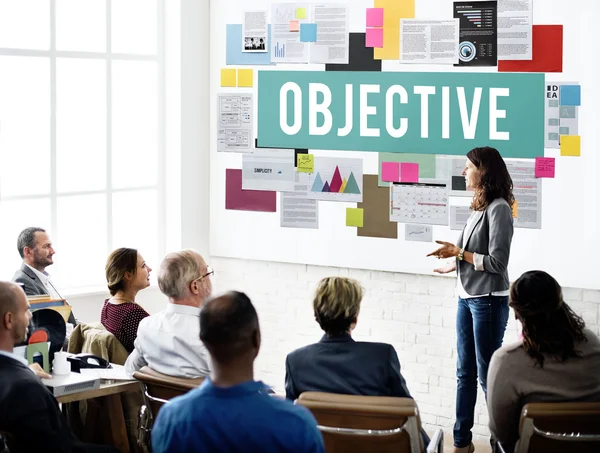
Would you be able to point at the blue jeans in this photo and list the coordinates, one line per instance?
(480, 326)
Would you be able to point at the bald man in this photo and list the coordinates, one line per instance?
(29, 413)
(231, 412)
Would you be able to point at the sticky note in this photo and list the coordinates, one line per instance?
(570, 145)
(515, 209)
(294, 25)
(228, 77)
(394, 11)
(409, 172)
(245, 77)
(544, 167)
(300, 13)
(374, 37)
(306, 163)
(308, 32)
(390, 171)
(354, 217)
(374, 17)
(570, 95)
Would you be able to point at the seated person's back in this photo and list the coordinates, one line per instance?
(558, 359)
(338, 364)
(231, 412)
(126, 274)
(169, 341)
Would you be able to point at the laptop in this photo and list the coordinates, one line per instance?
(71, 383)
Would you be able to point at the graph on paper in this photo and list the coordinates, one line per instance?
(336, 179)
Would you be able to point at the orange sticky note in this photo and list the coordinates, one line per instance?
(570, 145)
(394, 11)
(515, 209)
(294, 25)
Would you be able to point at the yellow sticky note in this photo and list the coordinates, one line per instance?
(306, 163)
(300, 13)
(354, 217)
(228, 77)
(515, 209)
(570, 145)
(394, 11)
(246, 77)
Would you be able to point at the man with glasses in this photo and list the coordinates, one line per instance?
(169, 341)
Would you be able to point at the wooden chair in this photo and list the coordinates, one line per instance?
(158, 389)
(365, 424)
(559, 427)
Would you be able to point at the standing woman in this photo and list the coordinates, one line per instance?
(126, 274)
(482, 254)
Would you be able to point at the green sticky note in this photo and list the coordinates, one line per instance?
(354, 217)
(300, 13)
(306, 163)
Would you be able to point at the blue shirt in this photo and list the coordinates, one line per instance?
(243, 418)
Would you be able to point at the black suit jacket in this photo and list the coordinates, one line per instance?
(342, 365)
(30, 413)
(32, 285)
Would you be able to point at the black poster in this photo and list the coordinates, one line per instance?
(478, 42)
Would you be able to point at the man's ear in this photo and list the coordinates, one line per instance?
(8, 320)
(256, 339)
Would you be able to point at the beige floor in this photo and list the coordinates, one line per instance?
(480, 447)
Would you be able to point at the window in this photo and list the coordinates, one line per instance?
(82, 133)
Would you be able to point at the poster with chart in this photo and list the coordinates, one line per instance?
(336, 179)
(235, 120)
(418, 203)
(286, 20)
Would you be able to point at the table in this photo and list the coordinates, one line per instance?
(110, 392)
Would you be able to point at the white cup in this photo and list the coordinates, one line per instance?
(60, 365)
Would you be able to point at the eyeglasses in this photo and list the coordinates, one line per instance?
(209, 271)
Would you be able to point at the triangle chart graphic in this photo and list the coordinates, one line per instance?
(352, 186)
(326, 187)
(318, 184)
(336, 181)
(344, 183)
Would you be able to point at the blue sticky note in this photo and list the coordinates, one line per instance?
(308, 32)
(570, 95)
(234, 54)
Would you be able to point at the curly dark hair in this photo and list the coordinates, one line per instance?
(549, 325)
(494, 179)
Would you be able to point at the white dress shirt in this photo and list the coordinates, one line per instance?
(14, 356)
(478, 264)
(169, 342)
(45, 279)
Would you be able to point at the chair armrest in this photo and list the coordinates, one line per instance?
(499, 448)
(436, 445)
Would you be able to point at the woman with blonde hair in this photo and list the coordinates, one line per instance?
(126, 274)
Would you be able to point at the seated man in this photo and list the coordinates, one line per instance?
(169, 341)
(231, 412)
(28, 411)
(35, 248)
(337, 363)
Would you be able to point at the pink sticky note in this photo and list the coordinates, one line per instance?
(374, 17)
(390, 171)
(294, 25)
(409, 172)
(374, 37)
(544, 167)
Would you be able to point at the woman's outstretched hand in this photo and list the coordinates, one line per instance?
(447, 250)
(445, 270)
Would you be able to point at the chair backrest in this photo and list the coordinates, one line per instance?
(560, 427)
(95, 339)
(159, 388)
(365, 424)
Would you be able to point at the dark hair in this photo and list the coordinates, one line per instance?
(118, 263)
(227, 324)
(494, 179)
(27, 239)
(549, 325)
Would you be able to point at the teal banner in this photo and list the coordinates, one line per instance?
(402, 112)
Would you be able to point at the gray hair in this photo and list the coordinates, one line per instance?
(177, 271)
(27, 239)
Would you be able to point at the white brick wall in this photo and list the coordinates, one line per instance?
(415, 313)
